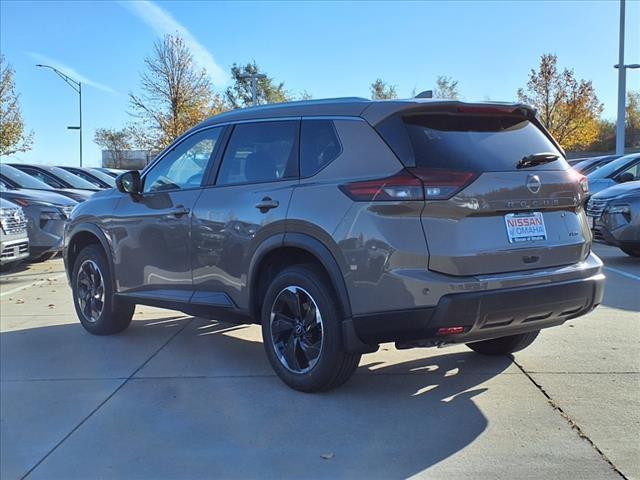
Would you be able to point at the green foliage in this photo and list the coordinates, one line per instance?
(13, 138)
(381, 90)
(240, 93)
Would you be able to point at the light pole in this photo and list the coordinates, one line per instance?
(254, 84)
(77, 86)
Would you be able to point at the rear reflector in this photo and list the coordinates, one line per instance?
(410, 184)
(450, 330)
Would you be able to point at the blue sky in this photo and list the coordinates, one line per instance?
(329, 49)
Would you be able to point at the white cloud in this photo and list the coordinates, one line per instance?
(77, 76)
(163, 23)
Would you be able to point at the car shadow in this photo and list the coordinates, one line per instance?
(398, 415)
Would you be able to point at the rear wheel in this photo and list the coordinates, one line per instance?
(301, 331)
(634, 252)
(97, 308)
(504, 345)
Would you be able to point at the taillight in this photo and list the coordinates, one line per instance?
(410, 184)
(582, 180)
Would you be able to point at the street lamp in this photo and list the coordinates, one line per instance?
(254, 84)
(77, 86)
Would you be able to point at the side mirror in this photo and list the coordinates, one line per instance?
(626, 177)
(129, 182)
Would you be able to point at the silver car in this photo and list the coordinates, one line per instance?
(341, 224)
(614, 214)
(14, 241)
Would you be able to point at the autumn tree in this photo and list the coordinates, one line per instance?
(446, 87)
(381, 90)
(13, 137)
(176, 94)
(240, 93)
(568, 107)
(115, 141)
(632, 119)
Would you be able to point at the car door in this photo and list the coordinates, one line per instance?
(245, 205)
(151, 232)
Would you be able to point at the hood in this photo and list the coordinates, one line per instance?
(619, 189)
(39, 196)
(76, 194)
(5, 203)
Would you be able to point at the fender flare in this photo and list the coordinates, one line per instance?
(96, 231)
(311, 245)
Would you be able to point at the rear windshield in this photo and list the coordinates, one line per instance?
(476, 143)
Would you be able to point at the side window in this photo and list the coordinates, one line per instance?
(319, 145)
(43, 177)
(184, 166)
(630, 174)
(260, 152)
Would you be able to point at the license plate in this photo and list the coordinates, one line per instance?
(527, 227)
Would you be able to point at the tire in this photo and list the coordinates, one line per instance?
(632, 252)
(305, 349)
(43, 258)
(504, 345)
(100, 313)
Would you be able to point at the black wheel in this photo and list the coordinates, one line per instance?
(504, 345)
(633, 252)
(98, 310)
(301, 331)
(43, 258)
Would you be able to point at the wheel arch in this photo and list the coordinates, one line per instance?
(82, 235)
(291, 249)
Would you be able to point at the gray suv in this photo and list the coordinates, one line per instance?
(342, 224)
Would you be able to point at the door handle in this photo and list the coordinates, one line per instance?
(267, 204)
(179, 211)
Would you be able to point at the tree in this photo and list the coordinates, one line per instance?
(13, 138)
(446, 87)
(632, 119)
(176, 95)
(381, 90)
(240, 94)
(115, 141)
(568, 107)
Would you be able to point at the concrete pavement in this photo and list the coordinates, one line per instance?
(182, 397)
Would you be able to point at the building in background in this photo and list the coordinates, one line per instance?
(127, 159)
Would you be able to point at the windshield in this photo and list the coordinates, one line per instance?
(108, 179)
(476, 143)
(612, 167)
(73, 180)
(22, 179)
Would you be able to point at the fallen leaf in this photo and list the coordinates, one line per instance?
(327, 456)
(51, 305)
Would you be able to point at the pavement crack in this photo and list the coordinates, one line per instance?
(574, 426)
(109, 397)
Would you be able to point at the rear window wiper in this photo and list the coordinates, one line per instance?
(537, 159)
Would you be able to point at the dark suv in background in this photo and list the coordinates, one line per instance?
(342, 224)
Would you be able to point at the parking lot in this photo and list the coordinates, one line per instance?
(182, 397)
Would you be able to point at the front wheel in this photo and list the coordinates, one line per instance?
(301, 331)
(504, 345)
(97, 308)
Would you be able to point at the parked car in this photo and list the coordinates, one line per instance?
(342, 224)
(588, 165)
(13, 178)
(614, 214)
(14, 241)
(621, 170)
(46, 213)
(56, 177)
(112, 172)
(97, 178)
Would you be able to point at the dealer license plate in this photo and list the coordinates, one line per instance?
(527, 227)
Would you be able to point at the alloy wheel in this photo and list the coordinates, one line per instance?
(296, 329)
(90, 290)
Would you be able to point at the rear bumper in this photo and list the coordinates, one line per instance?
(484, 315)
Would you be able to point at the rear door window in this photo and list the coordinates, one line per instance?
(260, 152)
(476, 143)
(319, 145)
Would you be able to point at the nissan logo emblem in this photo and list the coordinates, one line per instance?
(533, 183)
